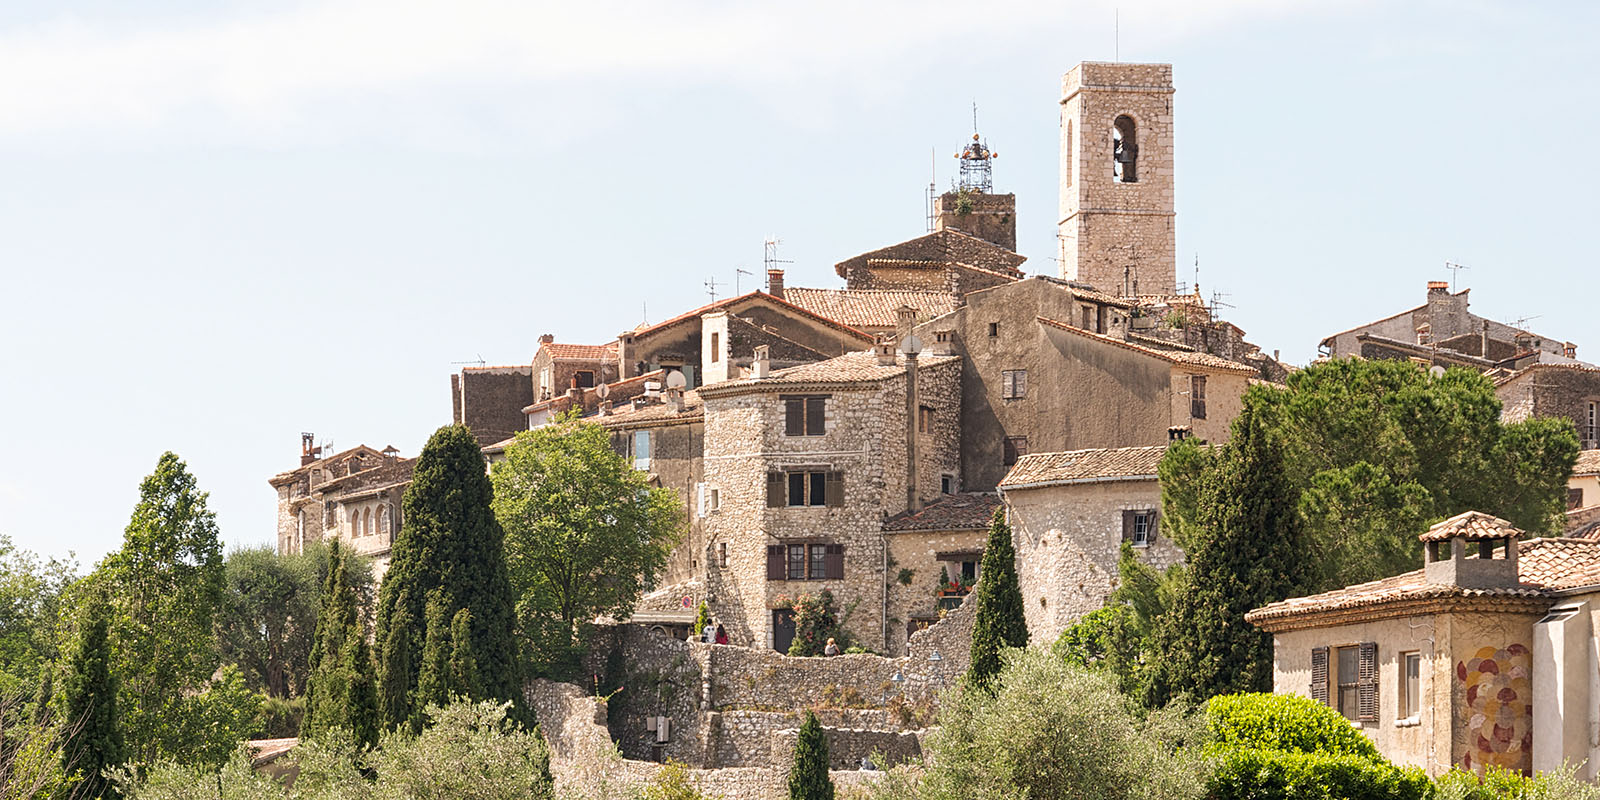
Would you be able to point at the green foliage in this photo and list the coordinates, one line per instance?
(269, 611)
(816, 620)
(89, 699)
(905, 576)
(702, 618)
(433, 680)
(31, 762)
(1053, 729)
(449, 546)
(1288, 723)
(964, 202)
(342, 689)
(808, 778)
(463, 664)
(585, 534)
(672, 783)
(1250, 774)
(31, 612)
(165, 587)
(1252, 553)
(999, 622)
(281, 719)
(1121, 637)
(1499, 783)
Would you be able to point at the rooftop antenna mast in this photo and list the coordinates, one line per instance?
(769, 256)
(933, 189)
(711, 287)
(1116, 35)
(1455, 272)
(480, 362)
(1217, 302)
(736, 273)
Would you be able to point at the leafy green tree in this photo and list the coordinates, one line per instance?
(31, 612)
(702, 618)
(32, 760)
(165, 586)
(450, 545)
(1252, 553)
(816, 620)
(270, 609)
(808, 778)
(89, 698)
(342, 689)
(1122, 636)
(999, 622)
(585, 532)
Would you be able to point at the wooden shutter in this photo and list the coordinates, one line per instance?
(1319, 674)
(794, 417)
(815, 422)
(775, 564)
(1127, 525)
(777, 490)
(833, 562)
(1367, 681)
(835, 490)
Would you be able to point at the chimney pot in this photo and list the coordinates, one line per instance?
(761, 365)
(775, 283)
(1438, 287)
(547, 338)
(885, 350)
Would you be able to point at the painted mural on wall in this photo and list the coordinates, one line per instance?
(1497, 712)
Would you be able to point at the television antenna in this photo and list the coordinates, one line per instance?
(479, 362)
(769, 255)
(1217, 302)
(1518, 323)
(736, 273)
(711, 287)
(1455, 272)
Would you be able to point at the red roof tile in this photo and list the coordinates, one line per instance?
(586, 352)
(1201, 360)
(1473, 526)
(1084, 466)
(869, 308)
(956, 512)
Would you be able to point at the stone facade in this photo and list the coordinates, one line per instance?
(1118, 234)
(1443, 327)
(990, 217)
(946, 260)
(1567, 391)
(353, 496)
(488, 400)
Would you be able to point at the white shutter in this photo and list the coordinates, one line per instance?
(701, 489)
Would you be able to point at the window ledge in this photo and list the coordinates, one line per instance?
(1408, 722)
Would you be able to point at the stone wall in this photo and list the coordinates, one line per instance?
(1554, 390)
(992, 218)
(489, 401)
(1106, 225)
(917, 552)
(1068, 540)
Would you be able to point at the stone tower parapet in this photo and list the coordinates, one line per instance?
(990, 217)
(1117, 205)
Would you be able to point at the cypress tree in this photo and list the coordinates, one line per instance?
(89, 692)
(998, 622)
(433, 678)
(463, 664)
(450, 543)
(1250, 553)
(808, 779)
(340, 689)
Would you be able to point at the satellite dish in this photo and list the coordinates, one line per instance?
(602, 391)
(912, 345)
(675, 380)
(1436, 371)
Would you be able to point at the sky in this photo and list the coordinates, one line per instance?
(225, 223)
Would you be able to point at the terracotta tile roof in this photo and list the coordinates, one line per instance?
(731, 301)
(512, 369)
(586, 352)
(1588, 463)
(1084, 466)
(851, 368)
(322, 463)
(653, 413)
(1544, 566)
(620, 388)
(1200, 360)
(1473, 526)
(1528, 370)
(868, 308)
(956, 512)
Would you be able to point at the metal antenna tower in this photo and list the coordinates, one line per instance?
(933, 189)
(711, 287)
(977, 173)
(769, 257)
(1217, 302)
(736, 273)
(1455, 272)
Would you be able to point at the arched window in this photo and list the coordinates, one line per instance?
(1125, 150)
(355, 524)
(385, 520)
(366, 523)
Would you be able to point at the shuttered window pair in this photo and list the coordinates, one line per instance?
(805, 561)
(1347, 678)
(1013, 384)
(804, 416)
(805, 488)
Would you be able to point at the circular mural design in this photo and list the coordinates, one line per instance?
(1498, 709)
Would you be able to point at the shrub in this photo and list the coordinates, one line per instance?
(1288, 723)
(1499, 783)
(1254, 774)
(816, 620)
(672, 783)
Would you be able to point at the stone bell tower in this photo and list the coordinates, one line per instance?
(1117, 217)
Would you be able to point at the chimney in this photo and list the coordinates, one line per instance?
(1483, 340)
(308, 449)
(1471, 550)
(761, 366)
(775, 283)
(904, 318)
(1438, 287)
(1178, 433)
(912, 348)
(944, 343)
(605, 408)
(674, 399)
(547, 338)
(885, 350)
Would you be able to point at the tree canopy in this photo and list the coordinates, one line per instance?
(586, 534)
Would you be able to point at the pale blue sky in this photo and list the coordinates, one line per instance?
(225, 223)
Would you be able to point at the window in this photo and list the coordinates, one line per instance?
(969, 572)
(641, 450)
(355, 524)
(1124, 150)
(1410, 686)
(1348, 681)
(583, 379)
(1197, 396)
(1349, 702)
(947, 484)
(1013, 384)
(714, 499)
(808, 488)
(1016, 447)
(1088, 318)
(1591, 432)
(722, 554)
(716, 347)
(386, 520)
(1424, 333)
(804, 416)
(544, 384)
(803, 487)
(1139, 527)
(1574, 498)
(805, 561)
(366, 522)
(924, 419)
(994, 329)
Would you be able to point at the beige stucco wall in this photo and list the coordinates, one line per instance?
(1475, 685)
(918, 551)
(1068, 540)
(1590, 484)
(1224, 401)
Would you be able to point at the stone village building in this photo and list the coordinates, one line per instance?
(353, 495)
(1485, 656)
